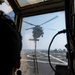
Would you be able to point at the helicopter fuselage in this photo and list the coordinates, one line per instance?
(37, 31)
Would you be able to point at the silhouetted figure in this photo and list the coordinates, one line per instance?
(10, 45)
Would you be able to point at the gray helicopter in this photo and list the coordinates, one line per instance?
(37, 29)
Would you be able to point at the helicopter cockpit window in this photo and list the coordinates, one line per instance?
(37, 32)
(5, 7)
(28, 2)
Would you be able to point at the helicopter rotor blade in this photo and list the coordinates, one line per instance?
(49, 20)
(51, 29)
(29, 28)
(29, 23)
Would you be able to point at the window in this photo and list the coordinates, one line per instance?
(28, 2)
(35, 43)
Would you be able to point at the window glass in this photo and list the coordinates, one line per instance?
(28, 2)
(37, 33)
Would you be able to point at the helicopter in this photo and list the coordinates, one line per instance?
(37, 29)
